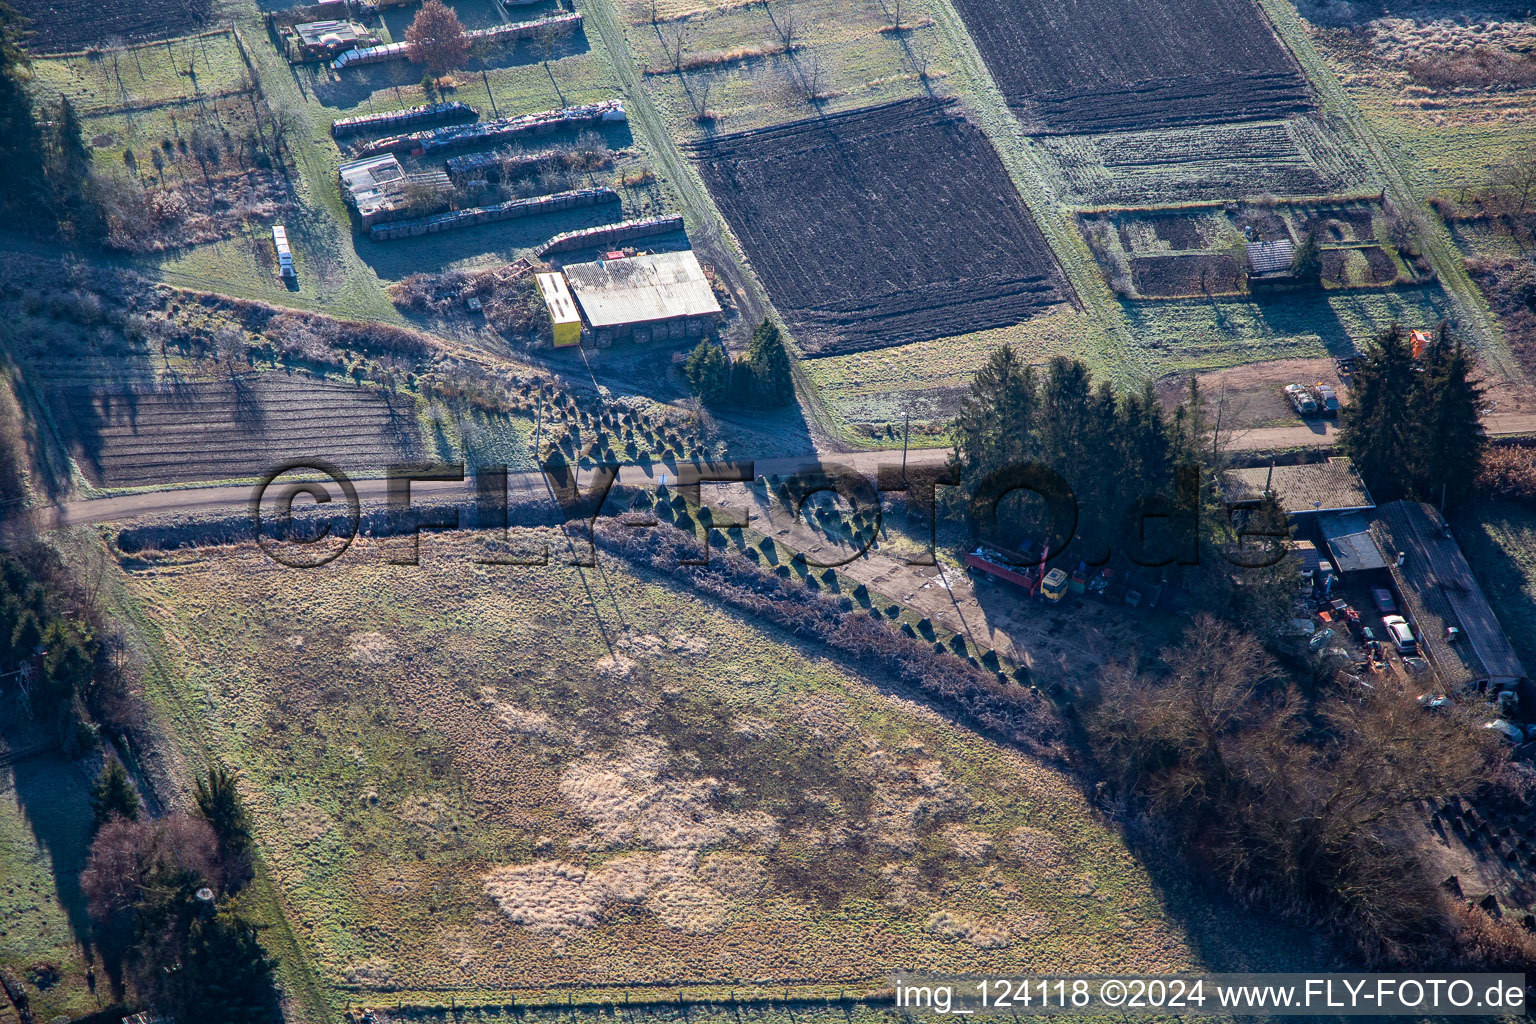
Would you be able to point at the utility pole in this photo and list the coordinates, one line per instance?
(538, 424)
(1216, 434)
(906, 428)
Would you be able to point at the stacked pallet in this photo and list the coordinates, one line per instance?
(495, 166)
(499, 130)
(499, 34)
(608, 234)
(427, 113)
(510, 210)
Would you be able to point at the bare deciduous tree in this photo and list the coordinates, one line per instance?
(1303, 803)
(700, 91)
(1515, 179)
(229, 346)
(786, 23)
(813, 76)
(919, 56)
(675, 38)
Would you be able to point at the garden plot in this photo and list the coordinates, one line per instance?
(55, 27)
(1296, 157)
(140, 76)
(182, 145)
(1211, 333)
(681, 795)
(160, 433)
(882, 226)
(1071, 68)
(1172, 253)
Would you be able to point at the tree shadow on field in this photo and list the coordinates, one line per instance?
(1224, 936)
(54, 796)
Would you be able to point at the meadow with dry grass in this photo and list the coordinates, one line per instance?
(499, 781)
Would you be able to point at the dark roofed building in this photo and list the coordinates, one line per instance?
(1316, 487)
(1349, 540)
(1439, 591)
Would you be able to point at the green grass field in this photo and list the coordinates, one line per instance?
(143, 75)
(847, 53)
(1187, 335)
(44, 832)
(677, 797)
(873, 389)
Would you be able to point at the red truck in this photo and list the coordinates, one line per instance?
(1005, 565)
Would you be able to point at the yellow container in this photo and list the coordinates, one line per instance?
(563, 316)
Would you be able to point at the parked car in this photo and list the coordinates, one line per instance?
(1301, 400)
(1434, 701)
(1320, 639)
(1507, 730)
(1327, 399)
(1401, 634)
(1384, 601)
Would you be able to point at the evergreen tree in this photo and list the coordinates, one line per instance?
(708, 370)
(995, 425)
(1451, 436)
(1307, 263)
(227, 975)
(218, 800)
(1414, 431)
(113, 796)
(69, 143)
(773, 384)
(1111, 450)
(21, 145)
(1379, 426)
(67, 665)
(26, 635)
(11, 612)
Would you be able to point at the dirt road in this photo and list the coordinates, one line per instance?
(1318, 434)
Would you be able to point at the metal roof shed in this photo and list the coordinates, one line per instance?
(642, 289)
(1271, 257)
(1351, 544)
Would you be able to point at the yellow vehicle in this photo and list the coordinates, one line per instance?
(1054, 587)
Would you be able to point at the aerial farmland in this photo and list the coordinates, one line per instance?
(721, 510)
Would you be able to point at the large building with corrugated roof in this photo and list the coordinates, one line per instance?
(657, 297)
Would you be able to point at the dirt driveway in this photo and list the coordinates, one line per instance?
(1058, 643)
